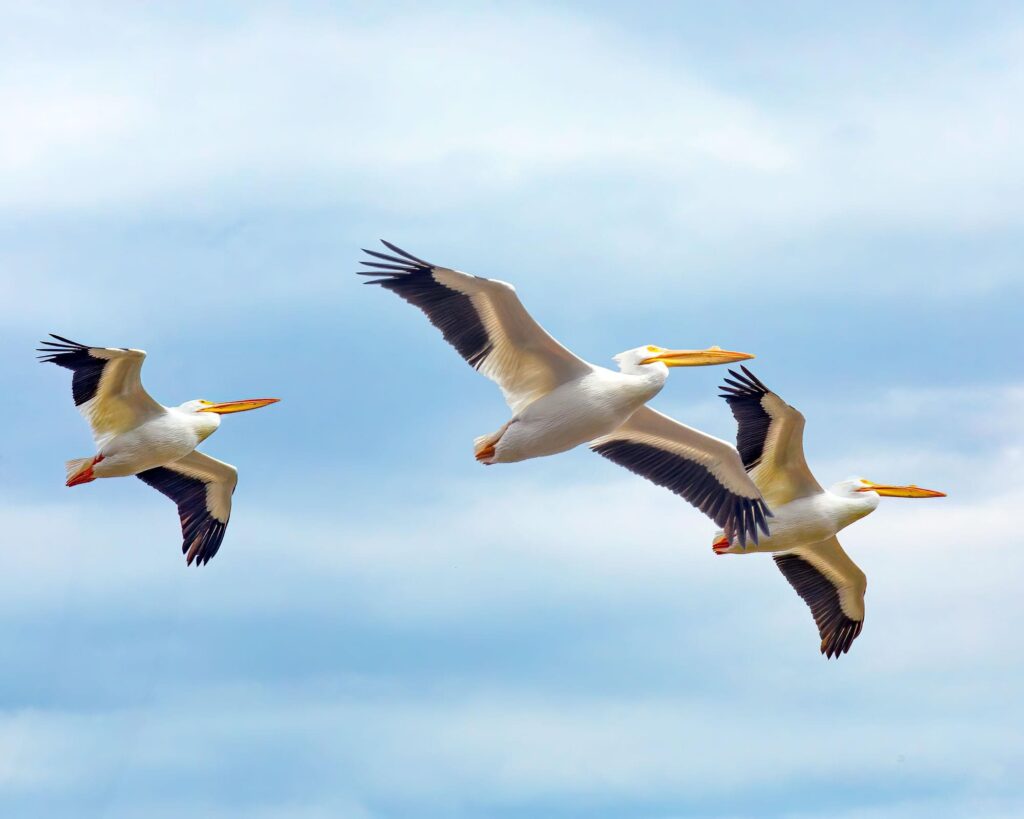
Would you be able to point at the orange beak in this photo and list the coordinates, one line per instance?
(227, 407)
(909, 491)
(695, 358)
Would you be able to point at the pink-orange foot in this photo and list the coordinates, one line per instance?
(86, 475)
(720, 546)
(483, 454)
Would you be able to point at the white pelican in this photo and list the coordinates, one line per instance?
(135, 435)
(806, 517)
(559, 401)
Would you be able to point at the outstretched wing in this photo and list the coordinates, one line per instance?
(701, 469)
(484, 321)
(770, 439)
(106, 386)
(201, 486)
(832, 586)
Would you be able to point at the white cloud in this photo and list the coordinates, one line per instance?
(277, 98)
(42, 749)
(449, 109)
(476, 553)
(530, 540)
(676, 672)
(509, 745)
(158, 164)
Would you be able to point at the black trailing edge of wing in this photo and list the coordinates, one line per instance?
(744, 393)
(451, 312)
(202, 533)
(76, 357)
(739, 517)
(837, 631)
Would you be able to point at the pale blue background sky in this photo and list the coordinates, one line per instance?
(390, 630)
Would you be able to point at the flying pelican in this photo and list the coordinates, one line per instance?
(559, 401)
(135, 435)
(806, 517)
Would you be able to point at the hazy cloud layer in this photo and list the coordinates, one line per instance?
(391, 630)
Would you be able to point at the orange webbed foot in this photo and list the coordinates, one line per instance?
(720, 546)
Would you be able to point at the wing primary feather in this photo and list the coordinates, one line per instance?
(66, 341)
(87, 368)
(202, 533)
(389, 258)
(753, 422)
(483, 319)
(404, 253)
(452, 312)
(757, 382)
(736, 385)
(836, 629)
(385, 266)
(688, 479)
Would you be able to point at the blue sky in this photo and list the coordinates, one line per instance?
(389, 630)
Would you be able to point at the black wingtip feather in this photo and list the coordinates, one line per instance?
(836, 629)
(744, 392)
(404, 253)
(405, 264)
(67, 341)
(87, 369)
(202, 534)
(452, 312)
(385, 266)
(738, 516)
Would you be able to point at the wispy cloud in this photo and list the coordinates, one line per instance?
(390, 630)
(450, 107)
(598, 579)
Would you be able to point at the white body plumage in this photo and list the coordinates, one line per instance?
(812, 519)
(159, 440)
(576, 412)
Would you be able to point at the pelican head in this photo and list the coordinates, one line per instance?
(650, 354)
(208, 412)
(204, 416)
